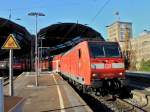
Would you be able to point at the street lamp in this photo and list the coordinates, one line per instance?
(40, 52)
(41, 39)
(18, 19)
(36, 14)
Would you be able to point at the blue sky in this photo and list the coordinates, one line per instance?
(135, 11)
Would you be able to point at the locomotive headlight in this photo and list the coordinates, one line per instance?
(2, 65)
(94, 75)
(120, 73)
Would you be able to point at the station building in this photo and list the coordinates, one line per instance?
(120, 32)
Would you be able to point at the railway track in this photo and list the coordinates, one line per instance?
(6, 80)
(120, 105)
(6, 77)
(108, 104)
(113, 105)
(134, 105)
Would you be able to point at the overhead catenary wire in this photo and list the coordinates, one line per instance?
(92, 20)
(100, 11)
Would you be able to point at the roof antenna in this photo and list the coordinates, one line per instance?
(10, 14)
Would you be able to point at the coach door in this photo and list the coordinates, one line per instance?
(57, 65)
(79, 65)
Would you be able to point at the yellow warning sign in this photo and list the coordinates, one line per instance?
(11, 43)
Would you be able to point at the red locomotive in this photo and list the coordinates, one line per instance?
(93, 66)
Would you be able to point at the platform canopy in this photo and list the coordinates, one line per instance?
(60, 35)
(22, 36)
(7, 27)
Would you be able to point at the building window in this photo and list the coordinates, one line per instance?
(122, 36)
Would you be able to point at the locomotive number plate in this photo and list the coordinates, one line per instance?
(107, 65)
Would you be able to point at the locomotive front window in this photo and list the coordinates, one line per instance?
(112, 50)
(104, 50)
(97, 50)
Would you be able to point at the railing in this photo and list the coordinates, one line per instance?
(138, 74)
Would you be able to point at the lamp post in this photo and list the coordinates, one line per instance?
(40, 52)
(42, 38)
(36, 14)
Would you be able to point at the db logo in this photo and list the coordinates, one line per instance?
(107, 65)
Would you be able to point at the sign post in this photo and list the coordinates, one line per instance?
(11, 44)
(11, 92)
(1, 95)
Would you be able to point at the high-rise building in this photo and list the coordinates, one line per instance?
(120, 32)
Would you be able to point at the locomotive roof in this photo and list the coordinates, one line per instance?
(90, 41)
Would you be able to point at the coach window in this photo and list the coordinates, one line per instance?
(79, 53)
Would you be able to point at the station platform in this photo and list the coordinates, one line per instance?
(52, 95)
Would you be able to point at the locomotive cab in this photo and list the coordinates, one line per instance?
(106, 60)
(107, 66)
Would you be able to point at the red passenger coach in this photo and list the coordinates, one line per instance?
(56, 63)
(94, 65)
(44, 65)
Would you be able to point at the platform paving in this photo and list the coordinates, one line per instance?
(52, 95)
